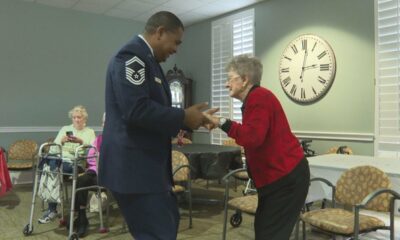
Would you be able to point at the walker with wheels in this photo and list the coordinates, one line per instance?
(56, 154)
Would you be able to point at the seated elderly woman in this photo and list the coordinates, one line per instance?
(70, 137)
(89, 178)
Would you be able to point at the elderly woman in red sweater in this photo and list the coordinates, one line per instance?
(275, 159)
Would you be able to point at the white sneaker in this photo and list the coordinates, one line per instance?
(48, 217)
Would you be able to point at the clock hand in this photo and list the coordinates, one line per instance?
(304, 64)
(310, 67)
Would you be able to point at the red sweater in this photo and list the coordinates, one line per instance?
(272, 151)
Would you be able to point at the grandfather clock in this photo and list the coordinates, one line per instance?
(181, 91)
(181, 88)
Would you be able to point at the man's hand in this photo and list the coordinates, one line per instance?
(212, 121)
(194, 116)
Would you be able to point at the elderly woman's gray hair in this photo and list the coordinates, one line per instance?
(78, 109)
(245, 65)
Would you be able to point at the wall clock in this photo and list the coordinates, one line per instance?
(307, 69)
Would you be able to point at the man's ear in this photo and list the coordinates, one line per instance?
(159, 32)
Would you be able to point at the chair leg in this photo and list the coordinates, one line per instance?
(190, 204)
(304, 230)
(323, 205)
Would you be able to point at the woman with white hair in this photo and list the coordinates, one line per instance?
(275, 159)
(89, 178)
(70, 137)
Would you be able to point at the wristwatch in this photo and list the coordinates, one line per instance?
(222, 121)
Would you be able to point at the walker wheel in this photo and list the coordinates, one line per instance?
(103, 230)
(236, 220)
(74, 236)
(26, 230)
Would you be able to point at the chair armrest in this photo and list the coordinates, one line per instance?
(369, 198)
(331, 185)
(183, 166)
(226, 180)
(327, 182)
(376, 193)
(227, 176)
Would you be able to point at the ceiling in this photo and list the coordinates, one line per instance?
(189, 11)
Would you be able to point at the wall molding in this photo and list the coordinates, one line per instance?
(33, 129)
(339, 136)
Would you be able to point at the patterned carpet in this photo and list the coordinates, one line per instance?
(207, 223)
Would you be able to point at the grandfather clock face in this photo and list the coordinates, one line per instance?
(307, 69)
(181, 88)
(177, 94)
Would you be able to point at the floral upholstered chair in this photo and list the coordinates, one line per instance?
(181, 174)
(22, 154)
(246, 203)
(363, 187)
(241, 175)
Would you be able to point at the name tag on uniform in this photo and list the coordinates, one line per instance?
(157, 80)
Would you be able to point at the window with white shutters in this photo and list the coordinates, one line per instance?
(231, 36)
(387, 68)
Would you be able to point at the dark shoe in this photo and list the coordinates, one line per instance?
(76, 223)
(83, 227)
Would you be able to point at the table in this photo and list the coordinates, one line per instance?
(210, 161)
(331, 166)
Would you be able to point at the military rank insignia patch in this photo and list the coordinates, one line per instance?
(134, 69)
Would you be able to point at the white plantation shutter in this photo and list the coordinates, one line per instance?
(231, 36)
(387, 55)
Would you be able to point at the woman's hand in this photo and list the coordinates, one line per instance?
(75, 140)
(64, 139)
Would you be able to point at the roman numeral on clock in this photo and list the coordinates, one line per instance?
(286, 81)
(285, 70)
(294, 48)
(303, 93)
(293, 90)
(321, 80)
(321, 55)
(288, 58)
(315, 44)
(324, 67)
(304, 44)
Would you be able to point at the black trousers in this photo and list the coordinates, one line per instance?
(150, 216)
(280, 204)
(89, 178)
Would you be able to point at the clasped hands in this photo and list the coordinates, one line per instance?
(195, 116)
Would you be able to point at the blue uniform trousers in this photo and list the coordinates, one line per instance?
(150, 216)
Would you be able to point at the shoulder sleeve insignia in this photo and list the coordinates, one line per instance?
(135, 70)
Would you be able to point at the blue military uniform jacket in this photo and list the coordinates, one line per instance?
(135, 155)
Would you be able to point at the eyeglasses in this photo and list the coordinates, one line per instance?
(230, 79)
